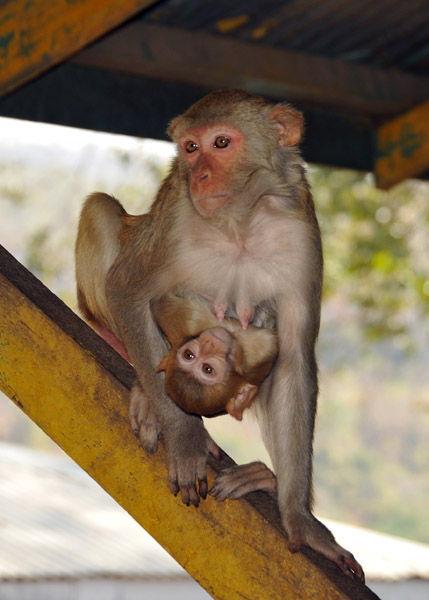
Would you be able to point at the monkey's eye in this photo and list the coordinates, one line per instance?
(222, 141)
(191, 146)
(188, 355)
(208, 369)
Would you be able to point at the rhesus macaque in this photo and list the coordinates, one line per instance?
(212, 367)
(234, 224)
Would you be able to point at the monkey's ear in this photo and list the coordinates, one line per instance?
(163, 364)
(242, 400)
(173, 126)
(289, 123)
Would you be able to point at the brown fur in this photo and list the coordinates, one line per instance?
(257, 256)
(255, 351)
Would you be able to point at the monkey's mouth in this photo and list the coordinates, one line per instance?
(212, 203)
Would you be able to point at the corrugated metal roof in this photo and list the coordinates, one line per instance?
(56, 522)
(386, 33)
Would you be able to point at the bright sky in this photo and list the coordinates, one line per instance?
(45, 134)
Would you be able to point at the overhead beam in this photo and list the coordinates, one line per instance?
(74, 387)
(403, 147)
(197, 58)
(37, 35)
(116, 102)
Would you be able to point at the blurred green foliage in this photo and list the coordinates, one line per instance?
(376, 246)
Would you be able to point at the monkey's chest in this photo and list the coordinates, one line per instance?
(243, 270)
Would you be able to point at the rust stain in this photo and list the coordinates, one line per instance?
(229, 25)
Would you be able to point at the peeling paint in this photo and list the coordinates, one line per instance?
(408, 141)
(5, 40)
(403, 147)
(7, 17)
(26, 46)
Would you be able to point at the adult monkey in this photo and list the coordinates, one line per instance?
(234, 223)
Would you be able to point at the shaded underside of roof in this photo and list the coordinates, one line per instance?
(386, 33)
(350, 66)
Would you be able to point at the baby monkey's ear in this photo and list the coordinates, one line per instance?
(243, 399)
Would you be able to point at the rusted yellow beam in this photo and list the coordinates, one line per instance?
(75, 388)
(36, 35)
(403, 147)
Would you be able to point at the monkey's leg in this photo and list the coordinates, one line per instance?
(235, 482)
(153, 413)
(144, 420)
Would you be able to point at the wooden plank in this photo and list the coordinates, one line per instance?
(196, 58)
(75, 388)
(36, 35)
(403, 147)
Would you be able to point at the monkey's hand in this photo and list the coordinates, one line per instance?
(304, 529)
(144, 420)
(187, 463)
(242, 479)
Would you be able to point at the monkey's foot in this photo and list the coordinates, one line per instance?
(187, 465)
(306, 530)
(239, 480)
(303, 529)
(143, 420)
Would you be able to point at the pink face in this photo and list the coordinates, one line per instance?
(206, 357)
(211, 153)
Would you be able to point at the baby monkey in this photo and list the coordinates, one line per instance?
(212, 367)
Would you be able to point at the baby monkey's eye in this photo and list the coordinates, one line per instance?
(188, 355)
(222, 141)
(208, 369)
(191, 146)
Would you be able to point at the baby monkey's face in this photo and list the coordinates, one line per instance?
(208, 357)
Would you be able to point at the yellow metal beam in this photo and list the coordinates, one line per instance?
(75, 388)
(36, 35)
(403, 147)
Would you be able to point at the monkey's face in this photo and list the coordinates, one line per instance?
(207, 357)
(211, 155)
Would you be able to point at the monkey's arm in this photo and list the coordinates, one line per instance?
(182, 318)
(259, 353)
(257, 350)
(186, 440)
(291, 415)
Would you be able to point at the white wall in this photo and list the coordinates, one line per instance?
(105, 589)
